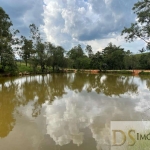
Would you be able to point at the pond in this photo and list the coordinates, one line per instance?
(69, 111)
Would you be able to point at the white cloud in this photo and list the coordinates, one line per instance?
(24, 13)
(72, 22)
(74, 115)
(67, 118)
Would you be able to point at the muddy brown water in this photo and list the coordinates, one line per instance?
(69, 111)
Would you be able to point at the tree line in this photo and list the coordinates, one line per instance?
(43, 56)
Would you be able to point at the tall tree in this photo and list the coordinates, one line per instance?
(39, 56)
(26, 49)
(113, 56)
(55, 56)
(75, 54)
(88, 49)
(97, 61)
(7, 40)
(141, 28)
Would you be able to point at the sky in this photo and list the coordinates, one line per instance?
(71, 22)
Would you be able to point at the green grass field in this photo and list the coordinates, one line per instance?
(23, 68)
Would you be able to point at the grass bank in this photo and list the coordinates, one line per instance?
(29, 70)
(24, 68)
(144, 73)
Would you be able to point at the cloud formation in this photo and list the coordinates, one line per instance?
(72, 22)
(24, 13)
(68, 22)
(67, 118)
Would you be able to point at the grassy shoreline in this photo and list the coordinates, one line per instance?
(28, 70)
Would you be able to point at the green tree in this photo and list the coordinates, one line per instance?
(39, 56)
(55, 56)
(113, 56)
(7, 40)
(26, 49)
(59, 57)
(97, 61)
(132, 61)
(128, 62)
(75, 54)
(141, 28)
(88, 49)
(9, 63)
(145, 61)
(85, 62)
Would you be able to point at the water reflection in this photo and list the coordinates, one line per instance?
(147, 80)
(73, 107)
(7, 106)
(112, 85)
(66, 118)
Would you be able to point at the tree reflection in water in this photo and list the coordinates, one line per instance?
(146, 79)
(17, 92)
(7, 106)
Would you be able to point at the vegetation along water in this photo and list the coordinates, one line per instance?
(68, 98)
